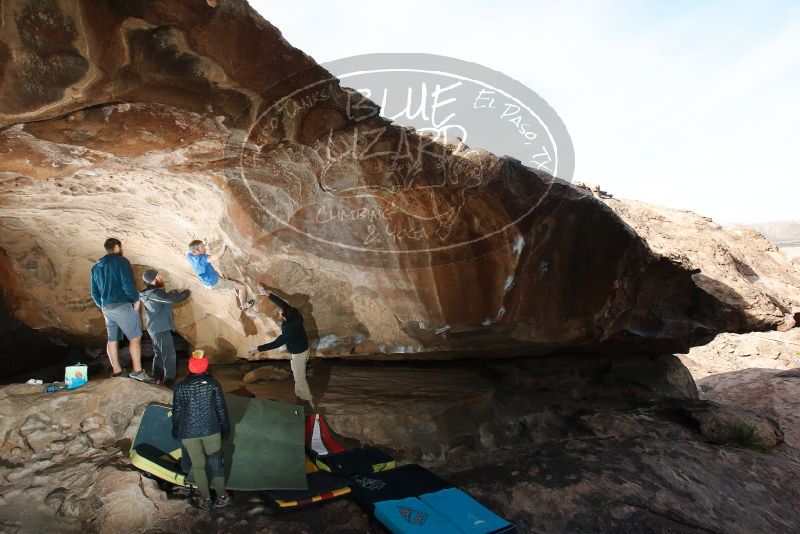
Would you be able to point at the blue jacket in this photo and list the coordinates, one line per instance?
(112, 281)
(203, 269)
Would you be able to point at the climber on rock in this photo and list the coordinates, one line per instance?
(293, 335)
(203, 263)
(114, 292)
(160, 324)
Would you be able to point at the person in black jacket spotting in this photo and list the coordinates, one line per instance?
(199, 420)
(293, 335)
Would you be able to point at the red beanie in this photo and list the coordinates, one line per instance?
(198, 365)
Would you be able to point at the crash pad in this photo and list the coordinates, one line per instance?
(264, 450)
(412, 499)
(330, 455)
(467, 514)
(411, 515)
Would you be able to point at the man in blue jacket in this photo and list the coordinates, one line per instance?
(114, 293)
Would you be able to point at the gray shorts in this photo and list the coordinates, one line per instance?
(223, 284)
(122, 317)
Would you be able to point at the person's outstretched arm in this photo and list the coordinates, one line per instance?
(277, 342)
(173, 297)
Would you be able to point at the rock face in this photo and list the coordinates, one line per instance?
(735, 352)
(159, 123)
(58, 455)
(758, 371)
(767, 391)
(648, 475)
(737, 265)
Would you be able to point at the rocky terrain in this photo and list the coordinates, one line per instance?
(737, 265)
(610, 447)
(759, 371)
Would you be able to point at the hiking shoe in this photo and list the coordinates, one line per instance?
(141, 376)
(222, 501)
(204, 504)
(250, 304)
(121, 373)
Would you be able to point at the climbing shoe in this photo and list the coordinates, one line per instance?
(141, 376)
(222, 501)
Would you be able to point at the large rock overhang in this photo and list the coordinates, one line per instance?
(161, 122)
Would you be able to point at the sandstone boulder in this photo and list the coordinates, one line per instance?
(268, 372)
(159, 123)
(737, 265)
(733, 352)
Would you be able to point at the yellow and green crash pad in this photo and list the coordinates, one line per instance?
(264, 450)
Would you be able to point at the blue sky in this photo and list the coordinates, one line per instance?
(693, 105)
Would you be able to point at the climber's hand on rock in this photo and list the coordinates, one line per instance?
(253, 351)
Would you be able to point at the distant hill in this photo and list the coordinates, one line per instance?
(782, 233)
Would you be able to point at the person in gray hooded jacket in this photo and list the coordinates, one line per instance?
(160, 324)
